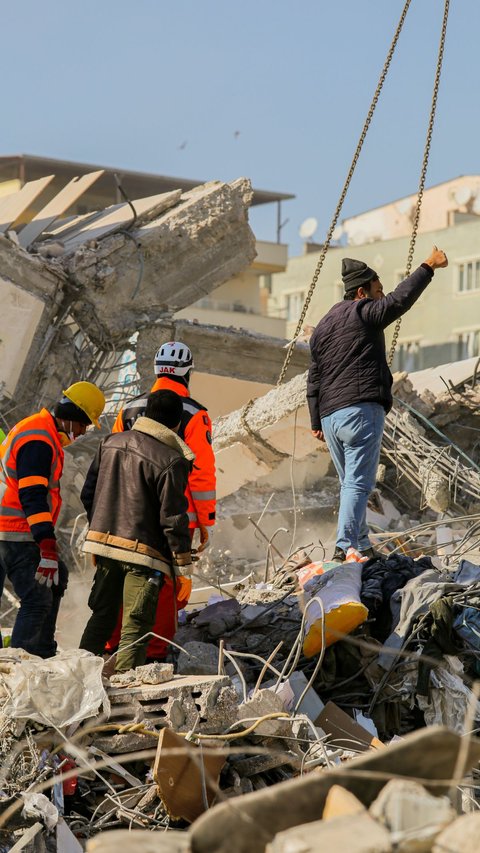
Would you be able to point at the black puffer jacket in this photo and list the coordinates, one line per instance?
(349, 363)
(134, 496)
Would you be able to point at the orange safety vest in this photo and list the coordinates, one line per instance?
(14, 524)
(196, 431)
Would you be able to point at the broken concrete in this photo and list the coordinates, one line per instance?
(460, 837)
(355, 833)
(208, 703)
(254, 357)
(197, 244)
(138, 841)
(198, 659)
(256, 818)
(151, 673)
(412, 815)
(107, 285)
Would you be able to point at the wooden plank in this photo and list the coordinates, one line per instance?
(27, 836)
(177, 772)
(14, 205)
(58, 205)
(344, 731)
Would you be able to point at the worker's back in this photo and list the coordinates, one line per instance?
(348, 357)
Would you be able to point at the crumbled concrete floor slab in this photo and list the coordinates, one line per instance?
(151, 673)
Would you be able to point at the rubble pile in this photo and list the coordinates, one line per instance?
(273, 688)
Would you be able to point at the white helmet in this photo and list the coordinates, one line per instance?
(173, 359)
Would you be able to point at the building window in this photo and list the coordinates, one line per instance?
(469, 276)
(468, 344)
(294, 304)
(409, 356)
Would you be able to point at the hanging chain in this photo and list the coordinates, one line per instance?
(343, 194)
(423, 173)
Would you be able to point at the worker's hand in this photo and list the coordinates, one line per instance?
(183, 559)
(318, 434)
(182, 563)
(203, 531)
(437, 259)
(47, 571)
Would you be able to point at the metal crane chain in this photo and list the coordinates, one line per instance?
(344, 190)
(423, 173)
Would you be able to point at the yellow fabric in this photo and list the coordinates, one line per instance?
(339, 621)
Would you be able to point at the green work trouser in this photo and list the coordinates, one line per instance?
(118, 584)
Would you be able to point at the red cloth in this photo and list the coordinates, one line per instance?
(165, 622)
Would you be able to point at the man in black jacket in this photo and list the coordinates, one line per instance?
(134, 495)
(349, 385)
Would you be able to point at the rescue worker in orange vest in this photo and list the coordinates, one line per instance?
(31, 465)
(173, 366)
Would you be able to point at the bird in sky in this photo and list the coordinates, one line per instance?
(236, 134)
(182, 146)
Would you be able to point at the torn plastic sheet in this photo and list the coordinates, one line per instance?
(39, 806)
(58, 691)
(449, 696)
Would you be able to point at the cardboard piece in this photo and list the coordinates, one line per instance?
(177, 772)
(346, 733)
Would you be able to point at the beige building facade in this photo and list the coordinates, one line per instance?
(444, 325)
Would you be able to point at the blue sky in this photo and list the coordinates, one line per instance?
(276, 90)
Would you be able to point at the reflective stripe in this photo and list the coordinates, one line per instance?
(11, 512)
(38, 517)
(25, 482)
(22, 434)
(192, 516)
(11, 536)
(204, 496)
(188, 407)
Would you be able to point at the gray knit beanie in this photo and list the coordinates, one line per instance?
(356, 274)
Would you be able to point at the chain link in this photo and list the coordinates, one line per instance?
(343, 194)
(423, 173)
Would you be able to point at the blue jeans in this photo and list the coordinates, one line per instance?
(354, 438)
(34, 628)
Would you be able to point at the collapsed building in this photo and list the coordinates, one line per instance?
(266, 727)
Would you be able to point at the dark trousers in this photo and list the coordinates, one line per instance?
(34, 628)
(118, 584)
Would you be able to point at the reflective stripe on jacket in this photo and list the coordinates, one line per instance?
(14, 523)
(196, 431)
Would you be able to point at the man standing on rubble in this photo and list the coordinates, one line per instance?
(349, 385)
(173, 367)
(135, 500)
(32, 456)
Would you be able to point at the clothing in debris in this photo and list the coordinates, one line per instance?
(135, 500)
(32, 459)
(349, 370)
(196, 431)
(380, 579)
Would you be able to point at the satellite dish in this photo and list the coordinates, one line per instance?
(462, 195)
(308, 227)
(337, 232)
